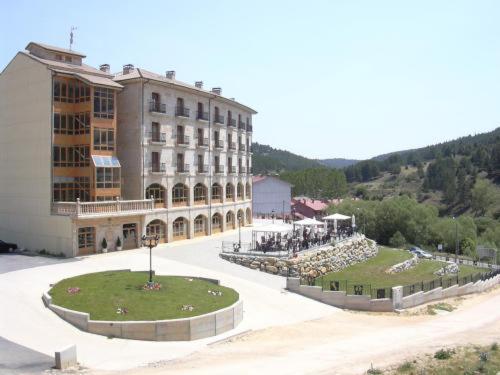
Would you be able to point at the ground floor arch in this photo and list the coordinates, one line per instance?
(180, 229)
(230, 220)
(159, 228)
(240, 216)
(249, 216)
(200, 226)
(216, 223)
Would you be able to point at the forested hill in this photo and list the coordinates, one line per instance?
(337, 162)
(266, 159)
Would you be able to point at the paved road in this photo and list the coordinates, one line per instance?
(17, 359)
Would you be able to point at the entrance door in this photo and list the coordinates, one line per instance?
(129, 236)
(86, 241)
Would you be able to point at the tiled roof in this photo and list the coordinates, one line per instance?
(56, 49)
(141, 73)
(315, 204)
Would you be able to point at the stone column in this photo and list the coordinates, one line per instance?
(397, 297)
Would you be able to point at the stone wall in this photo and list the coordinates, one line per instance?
(313, 263)
(403, 266)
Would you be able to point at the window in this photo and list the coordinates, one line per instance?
(216, 222)
(67, 58)
(59, 57)
(72, 123)
(199, 224)
(157, 192)
(157, 227)
(104, 103)
(70, 91)
(68, 189)
(107, 178)
(200, 193)
(180, 227)
(86, 237)
(104, 139)
(180, 194)
(216, 192)
(71, 156)
(239, 191)
(229, 191)
(230, 218)
(248, 191)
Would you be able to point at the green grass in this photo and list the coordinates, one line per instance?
(101, 294)
(373, 271)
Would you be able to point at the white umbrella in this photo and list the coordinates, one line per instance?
(308, 221)
(336, 217)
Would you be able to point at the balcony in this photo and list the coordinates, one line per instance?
(242, 170)
(103, 209)
(181, 111)
(157, 107)
(157, 138)
(219, 169)
(201, 116)
(182, 140)
(249, 128)
(231, 122)
(231, 146)
(241, 125)
(202, 168)
(157, 168)
(182, 168)
(219, 144)
(232, 169)
(219, 119)
(249, 170)
(202, 142)
(242, 147)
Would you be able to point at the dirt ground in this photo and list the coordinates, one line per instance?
(345, 342)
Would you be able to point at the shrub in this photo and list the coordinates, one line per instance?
(484, 356)
(444, 353)
(397, 240)
(494, 347)
(406, 366)
(104, 243)
(118, 242)
(374, 371)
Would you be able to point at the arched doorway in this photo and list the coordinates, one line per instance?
(240, 216)
(249, 216)
(200, 226)
(239, 191)
(200, 194)
(180, 195)
(216, 193)
(157, 227)
(180, 228)
(230, 192)
(248, 191)
(230, 221)
(216, 223)
(158, 193)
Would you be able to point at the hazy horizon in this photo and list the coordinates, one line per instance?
(337, 79)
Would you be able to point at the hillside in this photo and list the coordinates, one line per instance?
(267, 159)
(338, 163)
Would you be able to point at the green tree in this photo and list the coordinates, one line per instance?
(397, 240)
(483, 195)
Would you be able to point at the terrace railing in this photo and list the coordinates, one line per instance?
(106, 208)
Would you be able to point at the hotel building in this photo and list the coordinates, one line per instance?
(86, 155)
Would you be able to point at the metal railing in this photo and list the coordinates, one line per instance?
(219, 119)
(219, 169)
(157, 137)
(231, 145)
(157, 168)
(181, 111)
(242, 147)
(182, 140)
(182, 168)
(202, 142)
(157, 107)
(467, 262)
(231, 122)
(202, 168)
(241, 125)
(249, 128)
(219, 144)
(242, 170)
(200, 115)
(231, 169)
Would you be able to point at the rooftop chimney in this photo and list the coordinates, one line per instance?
(128, 68)
(104, 68)
(170, 74)
(198, 84)
(217, 90)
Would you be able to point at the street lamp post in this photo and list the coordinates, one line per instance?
(239, 230)
(456, 239)
(150, 241)
(272, 215)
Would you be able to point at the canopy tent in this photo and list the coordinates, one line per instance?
(337, 217)
(308, 221)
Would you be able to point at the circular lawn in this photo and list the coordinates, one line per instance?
(123, 295)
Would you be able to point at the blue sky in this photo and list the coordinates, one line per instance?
(346, 79)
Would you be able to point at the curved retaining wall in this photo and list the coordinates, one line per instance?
(185, 329)
(397, 302)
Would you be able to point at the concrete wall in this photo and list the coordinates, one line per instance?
(186, 329)
(269, 195)
(365, 303)
(25, 160)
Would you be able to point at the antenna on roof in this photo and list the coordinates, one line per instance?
(73, 28)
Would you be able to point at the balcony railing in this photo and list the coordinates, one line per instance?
(249, 128)
(182, 168)
(181, 111)
(219, 169)
(157, 107)
(242, 147)
(157, 137)
(249, 170)
(241, 125)
(219, 119)
(219, 143)
(202, 168)
(202, 142)
(203, 116)
(102, 209)
(182, 140)
(231, 122)
(232, 169)
(242, 170)
(231, 145)
(157, 168)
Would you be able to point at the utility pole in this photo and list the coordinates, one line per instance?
(456, 239)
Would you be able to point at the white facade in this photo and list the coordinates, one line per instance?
(270, 194)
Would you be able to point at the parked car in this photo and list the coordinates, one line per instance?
(6, 247)
(420, 253)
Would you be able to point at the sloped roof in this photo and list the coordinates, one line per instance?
(145, 74)
(314, 204)
(56, 49)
